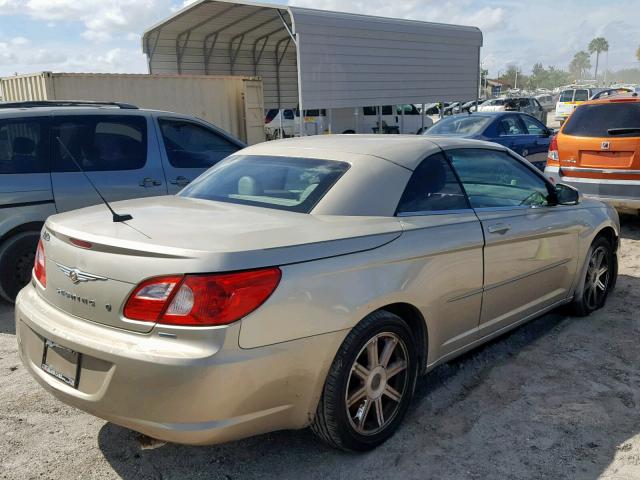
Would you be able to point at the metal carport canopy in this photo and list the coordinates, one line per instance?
(318, 58)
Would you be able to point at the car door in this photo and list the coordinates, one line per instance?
(538, 111)
(511, 133)
(444, 240)
(538, 139)
(530, 253)
(189, 148)
(119, 153)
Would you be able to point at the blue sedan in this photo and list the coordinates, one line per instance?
(520, 132)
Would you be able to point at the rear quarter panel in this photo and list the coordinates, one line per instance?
(436, 266)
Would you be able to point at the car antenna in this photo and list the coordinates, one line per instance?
(116, 217)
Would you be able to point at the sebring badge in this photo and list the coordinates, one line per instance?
(605, 146)
(77, 276)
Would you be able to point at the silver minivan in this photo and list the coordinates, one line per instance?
(127, 153)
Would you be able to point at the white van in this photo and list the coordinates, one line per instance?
(286, 123)
(395, 119)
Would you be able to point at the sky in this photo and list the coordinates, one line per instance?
(104, 35)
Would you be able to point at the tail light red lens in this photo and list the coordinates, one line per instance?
(553, 159)
(201, 300)
(39, 266)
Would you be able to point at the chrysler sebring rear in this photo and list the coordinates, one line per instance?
(304, 282)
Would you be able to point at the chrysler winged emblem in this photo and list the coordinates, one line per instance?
(76, 276)
(605, 145)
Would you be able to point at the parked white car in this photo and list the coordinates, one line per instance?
(492, 105)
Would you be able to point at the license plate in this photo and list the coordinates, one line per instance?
(61, 362)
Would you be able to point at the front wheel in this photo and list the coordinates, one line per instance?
(369, 386)
(598, 278)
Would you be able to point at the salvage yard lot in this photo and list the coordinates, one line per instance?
(556, 398)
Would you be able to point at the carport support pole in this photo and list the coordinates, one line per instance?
(356, 114)
(330, 111)
(380, 120)
(422, 118)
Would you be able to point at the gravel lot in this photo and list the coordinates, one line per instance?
(557, 398)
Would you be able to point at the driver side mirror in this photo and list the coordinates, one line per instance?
(566, 194)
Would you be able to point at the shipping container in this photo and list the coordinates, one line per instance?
(233, 103)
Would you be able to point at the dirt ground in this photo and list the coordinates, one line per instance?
(557, 398)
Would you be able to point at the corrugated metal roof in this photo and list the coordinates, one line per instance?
(337, 59)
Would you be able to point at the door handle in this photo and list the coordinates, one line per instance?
(500, 228)
(149, 182)
(180, 181)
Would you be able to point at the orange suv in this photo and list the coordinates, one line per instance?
(598, 151)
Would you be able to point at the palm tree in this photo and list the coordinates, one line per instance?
(597, 45)
(580, 65)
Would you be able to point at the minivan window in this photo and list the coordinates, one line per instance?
(23, 146)
(99, 142)
(189, 145)
(596, 120)
(566, 96)
(283, 183)
(581, 96)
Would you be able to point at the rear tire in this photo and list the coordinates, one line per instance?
(349, 132)
(598, 278)
(17, 254)
(369, 386)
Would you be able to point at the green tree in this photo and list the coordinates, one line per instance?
(597, 46)
(509, 77)
(580, 65)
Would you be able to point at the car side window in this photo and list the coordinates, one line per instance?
(189, 145)
(510, 126)
(99, 142)
(432, 187)
(287, 114)
(492, 178)
(533, 126)
(24, 146)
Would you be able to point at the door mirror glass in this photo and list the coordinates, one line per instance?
(567, 195)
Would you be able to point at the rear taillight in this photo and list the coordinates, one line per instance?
(553, 159)
(201, 300)
(39, 266)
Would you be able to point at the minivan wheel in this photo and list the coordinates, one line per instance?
(598, 278)
(369, 386)
(17, 254)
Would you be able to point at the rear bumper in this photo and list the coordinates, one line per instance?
(195, 389)
(620, 194)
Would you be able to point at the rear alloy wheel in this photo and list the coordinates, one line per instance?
(369, 386)
(377, 383)
(598, 280)
(16, 262)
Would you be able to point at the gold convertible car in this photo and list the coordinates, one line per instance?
(304, 282)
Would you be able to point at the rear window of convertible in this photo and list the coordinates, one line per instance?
(284, 183)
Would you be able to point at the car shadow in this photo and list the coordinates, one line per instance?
(7, 323)
(554, 398)
(630, 225)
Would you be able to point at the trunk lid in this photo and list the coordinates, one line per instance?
(175, 235)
